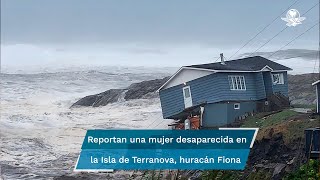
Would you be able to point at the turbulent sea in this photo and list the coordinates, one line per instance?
(40, 136)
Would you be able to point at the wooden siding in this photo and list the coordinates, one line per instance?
(219, 114)
(215, 115)
(260, 86)
(267, 83)
(282, 88)
(211, 89)
(171, 100)
(245, 107)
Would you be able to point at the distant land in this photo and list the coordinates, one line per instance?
(305, 54)
(301, 90)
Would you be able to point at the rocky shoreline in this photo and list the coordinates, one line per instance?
(141, 90)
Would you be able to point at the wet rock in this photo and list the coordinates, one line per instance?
(278, 170)
(138, 90)
(141, 90)
(101, 99)
(291, 161)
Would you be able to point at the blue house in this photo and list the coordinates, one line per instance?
(226, 90)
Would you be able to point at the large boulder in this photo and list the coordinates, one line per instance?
(101, 99)
(144, 89)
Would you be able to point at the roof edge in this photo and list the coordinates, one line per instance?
(212, 70)
(176, 73)
(315, 82)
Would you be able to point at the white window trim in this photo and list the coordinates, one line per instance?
(235, 77)
(234, 106)
(281, 78)
(184, 88)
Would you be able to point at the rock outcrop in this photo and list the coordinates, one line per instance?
(144, 89)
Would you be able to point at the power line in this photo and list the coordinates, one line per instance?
(262, 30)
(158, 124)
(294, 39)
(269, 40)
(319, 48)
(154, 121)
(217, 59)
(280, 32)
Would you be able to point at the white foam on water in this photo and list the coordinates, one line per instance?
(41, 136)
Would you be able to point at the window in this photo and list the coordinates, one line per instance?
(237, 82)
(186, 92)
(277, 79)
(236, 106)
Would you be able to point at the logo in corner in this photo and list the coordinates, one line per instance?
(293, 18)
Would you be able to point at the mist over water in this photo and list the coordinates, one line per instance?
(132, 54)
(35, 58)
(41, 136)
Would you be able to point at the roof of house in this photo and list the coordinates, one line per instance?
(254, 63)
(249, 64)
(317, 82)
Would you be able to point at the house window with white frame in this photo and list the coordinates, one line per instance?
(237, 82)
(236, 105)
(277, 79)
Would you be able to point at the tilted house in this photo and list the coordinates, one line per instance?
(227, 90)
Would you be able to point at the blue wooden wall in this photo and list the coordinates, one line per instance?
(245, 107)
(267, 82)
(215, 88)
(211, 89)
(172, 101)
(219, 114)
(260, 86)
(215, 115)
(282, 88)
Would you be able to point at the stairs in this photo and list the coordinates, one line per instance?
(278, 101)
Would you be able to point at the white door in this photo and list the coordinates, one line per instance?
(187, 97)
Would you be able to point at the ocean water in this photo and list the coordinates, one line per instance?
(40, 136)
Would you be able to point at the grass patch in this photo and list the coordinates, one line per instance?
(310, 170)
(290, 123)
(271, 120)
(296, 128)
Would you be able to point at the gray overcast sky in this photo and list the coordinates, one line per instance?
(203, 21)
(216, 24)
